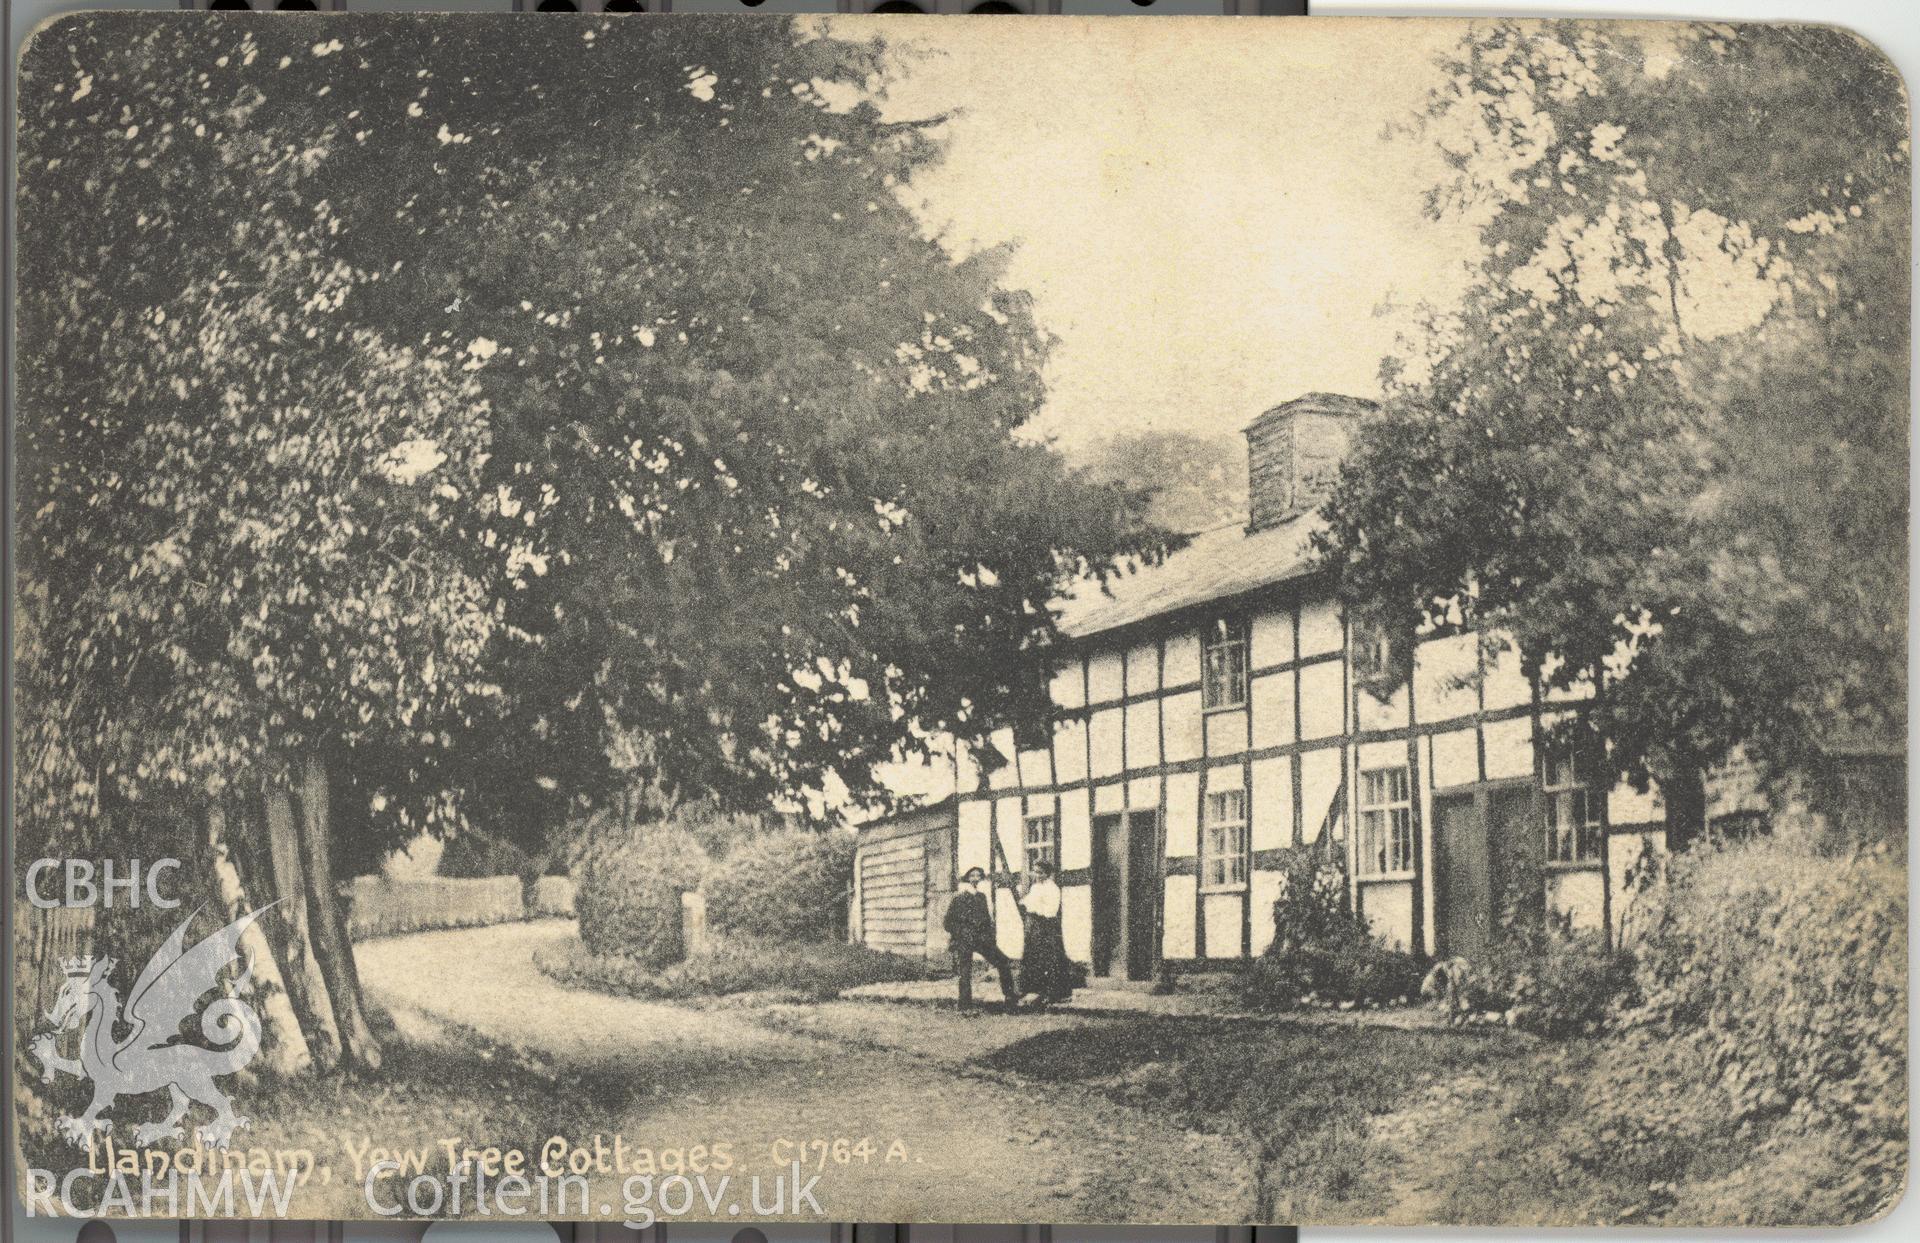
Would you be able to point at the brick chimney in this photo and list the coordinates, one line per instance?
(1293, 453)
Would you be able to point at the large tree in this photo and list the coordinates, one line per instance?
(1661, 445)
(413, 425)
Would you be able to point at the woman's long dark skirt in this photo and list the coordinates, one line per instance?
(1044, 968)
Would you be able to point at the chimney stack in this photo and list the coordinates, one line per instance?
(1294, 452)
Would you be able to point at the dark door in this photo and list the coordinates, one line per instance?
(1464, 877)
(1109, 893)
(1143, 875)
(1518, 847)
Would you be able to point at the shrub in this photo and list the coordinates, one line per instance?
(1312, 908)
(786, 884)
(1548, 979)
(470, 856)
(817, 970)
(630, 878)
(1321, 948)
(1353, 966)
(1772, 1003)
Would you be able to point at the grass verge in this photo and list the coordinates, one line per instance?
(809, 970)
(1303, 1094)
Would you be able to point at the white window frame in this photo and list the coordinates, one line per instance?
(1044, 847)
(1571, 812)
(1386, 823)
(1225, 635)
(1224, 845)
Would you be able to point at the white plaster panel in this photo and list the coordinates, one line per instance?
(1183, 814)
(1006, 776)
(1181, 722)
(1143, 734)
(1272, 710)
(1626, 805)
(1272, 811)
(1104, 671)
(1319, 782)
(1226, 732)
(1506, 686)
(1143, 793)
(1509, 748)
(972, 848)
(1266, 891)
(1388, 908)
(1271, 639)
(1322, 712)
(1320, 630)
(1446, 675)
(1107, 758)
(1182, 659)
(1068, 688)
(1388, 713)
(1143, 669)
(1224, 912)
(1455, 760)
(1069, 751)
(1579, 896)
(1076, 921)
(1076, 830)
(1177, 913)
(1010, 819)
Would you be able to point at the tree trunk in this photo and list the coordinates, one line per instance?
(331, 941)
(1686, 798)
(284, 860)
(285, 1051)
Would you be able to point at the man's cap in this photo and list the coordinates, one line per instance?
(973, 874)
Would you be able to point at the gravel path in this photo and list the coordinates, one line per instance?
(975, 1146)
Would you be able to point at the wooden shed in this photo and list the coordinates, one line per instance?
(903, 876)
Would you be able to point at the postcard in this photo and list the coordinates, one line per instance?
(632, 619)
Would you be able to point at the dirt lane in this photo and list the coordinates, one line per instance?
(976, 1146)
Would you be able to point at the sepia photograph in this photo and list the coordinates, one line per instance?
(636, 618)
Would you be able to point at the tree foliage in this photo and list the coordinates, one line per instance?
(1663, 438)
(422, 427)
(1197, 482)
(721, 444)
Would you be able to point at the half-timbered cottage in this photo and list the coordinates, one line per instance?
(1209, 716)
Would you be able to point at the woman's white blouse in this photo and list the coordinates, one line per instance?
(1044, 900)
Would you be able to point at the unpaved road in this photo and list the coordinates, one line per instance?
(978, 1146)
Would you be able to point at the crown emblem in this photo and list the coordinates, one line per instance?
(77, 966)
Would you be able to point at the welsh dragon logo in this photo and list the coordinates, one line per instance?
(151, 1055)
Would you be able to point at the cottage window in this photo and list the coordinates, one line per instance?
(1386, 822)
(1225, 665)
(1223, 856)
(1372, 653)
(1043, 841)
(1573, 811)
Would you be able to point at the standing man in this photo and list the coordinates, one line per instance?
(970, 931)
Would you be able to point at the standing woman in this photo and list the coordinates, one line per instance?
(1044, 970)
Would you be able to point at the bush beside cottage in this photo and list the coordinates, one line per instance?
(774, 897)
(1759, 1072)
(630, 878)
(787, 884)
(1322, 950)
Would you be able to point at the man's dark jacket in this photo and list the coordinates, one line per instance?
(968, 921)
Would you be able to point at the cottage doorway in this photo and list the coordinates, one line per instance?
(1482, 839)
(1125, 848)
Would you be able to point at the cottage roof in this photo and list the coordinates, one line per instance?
(1214, 565)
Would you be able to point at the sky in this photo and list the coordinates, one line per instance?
(1209, 223)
